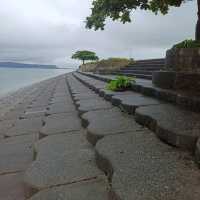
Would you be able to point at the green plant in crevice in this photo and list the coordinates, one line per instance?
(121, 83)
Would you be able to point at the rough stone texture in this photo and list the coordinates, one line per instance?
(67, 168)
(13, 188)
(25, 126)
(107, 122)
(107, 94)
(60, 108)
(87, 190)
(197, 152)
(61, 123)
(40, 103)
(13, 114)
(57, 145)
(95, 85)
(61, 99)
(141, 167)
(183, 59)
(177, 81)
(5, 125)
(164, 79)
(130, 102)
(84, 96)
(176, 126)
(92, 104)
(32, 112)
(15, 155)
(187, 99)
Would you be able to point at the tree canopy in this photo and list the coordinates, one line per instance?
(85, 55)
(121, 10)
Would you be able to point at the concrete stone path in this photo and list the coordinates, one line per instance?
(171, 123)
(64, 142)
(138, 164)
(44, 153)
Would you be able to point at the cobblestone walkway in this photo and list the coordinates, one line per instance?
(61, 141)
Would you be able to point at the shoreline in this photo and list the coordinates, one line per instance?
(12, 98)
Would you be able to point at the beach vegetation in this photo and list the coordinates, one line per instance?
(121, 83)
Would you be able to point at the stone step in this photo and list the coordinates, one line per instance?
(72, 167)
(16, 154)
(141, 167)
(138, 164)
(107, 122)
(149, 77)
(180, 98)
(146, 67)
(156, 60)
(25, 127)
(60, 123)
(136, 71)
(88, 190)
(142, 68)
(61, 107)
(174, 125)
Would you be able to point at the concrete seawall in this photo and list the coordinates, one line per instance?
(61, 140)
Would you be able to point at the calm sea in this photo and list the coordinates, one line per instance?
(13, 78)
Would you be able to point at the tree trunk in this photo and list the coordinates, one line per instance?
(83, 62)
(197, 35)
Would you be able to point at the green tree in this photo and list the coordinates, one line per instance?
(121, 10)
(85, 55)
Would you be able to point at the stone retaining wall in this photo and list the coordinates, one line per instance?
(184, 60)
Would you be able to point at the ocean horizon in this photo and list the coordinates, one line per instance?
(12, 79)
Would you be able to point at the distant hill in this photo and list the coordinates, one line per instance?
(23, 65)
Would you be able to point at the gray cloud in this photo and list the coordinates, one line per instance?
(48, 31)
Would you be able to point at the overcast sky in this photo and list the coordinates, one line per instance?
(49, 31)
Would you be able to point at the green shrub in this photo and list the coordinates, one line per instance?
(187, 44)
(121, 83)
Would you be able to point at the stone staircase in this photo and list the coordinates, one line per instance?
(142, 68)
(153, 108)
(68, 139)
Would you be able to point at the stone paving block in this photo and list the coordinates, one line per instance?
(29, 115)
(61, 94)
(129, 102)
(67, 168)
(80, 90)
(84, 96)
(60, 108)
(61, 144)
(62, 99)
(141, 167)
(34, 112)
(107, 122)
(61, 123)
(15, 156)
(94, 84)
(173, 125)
(88, 190)
(25, 126)
(92, 104)
(40, 103)
(5, 125)
(12, 115)
(107, 94)
(13, 188)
